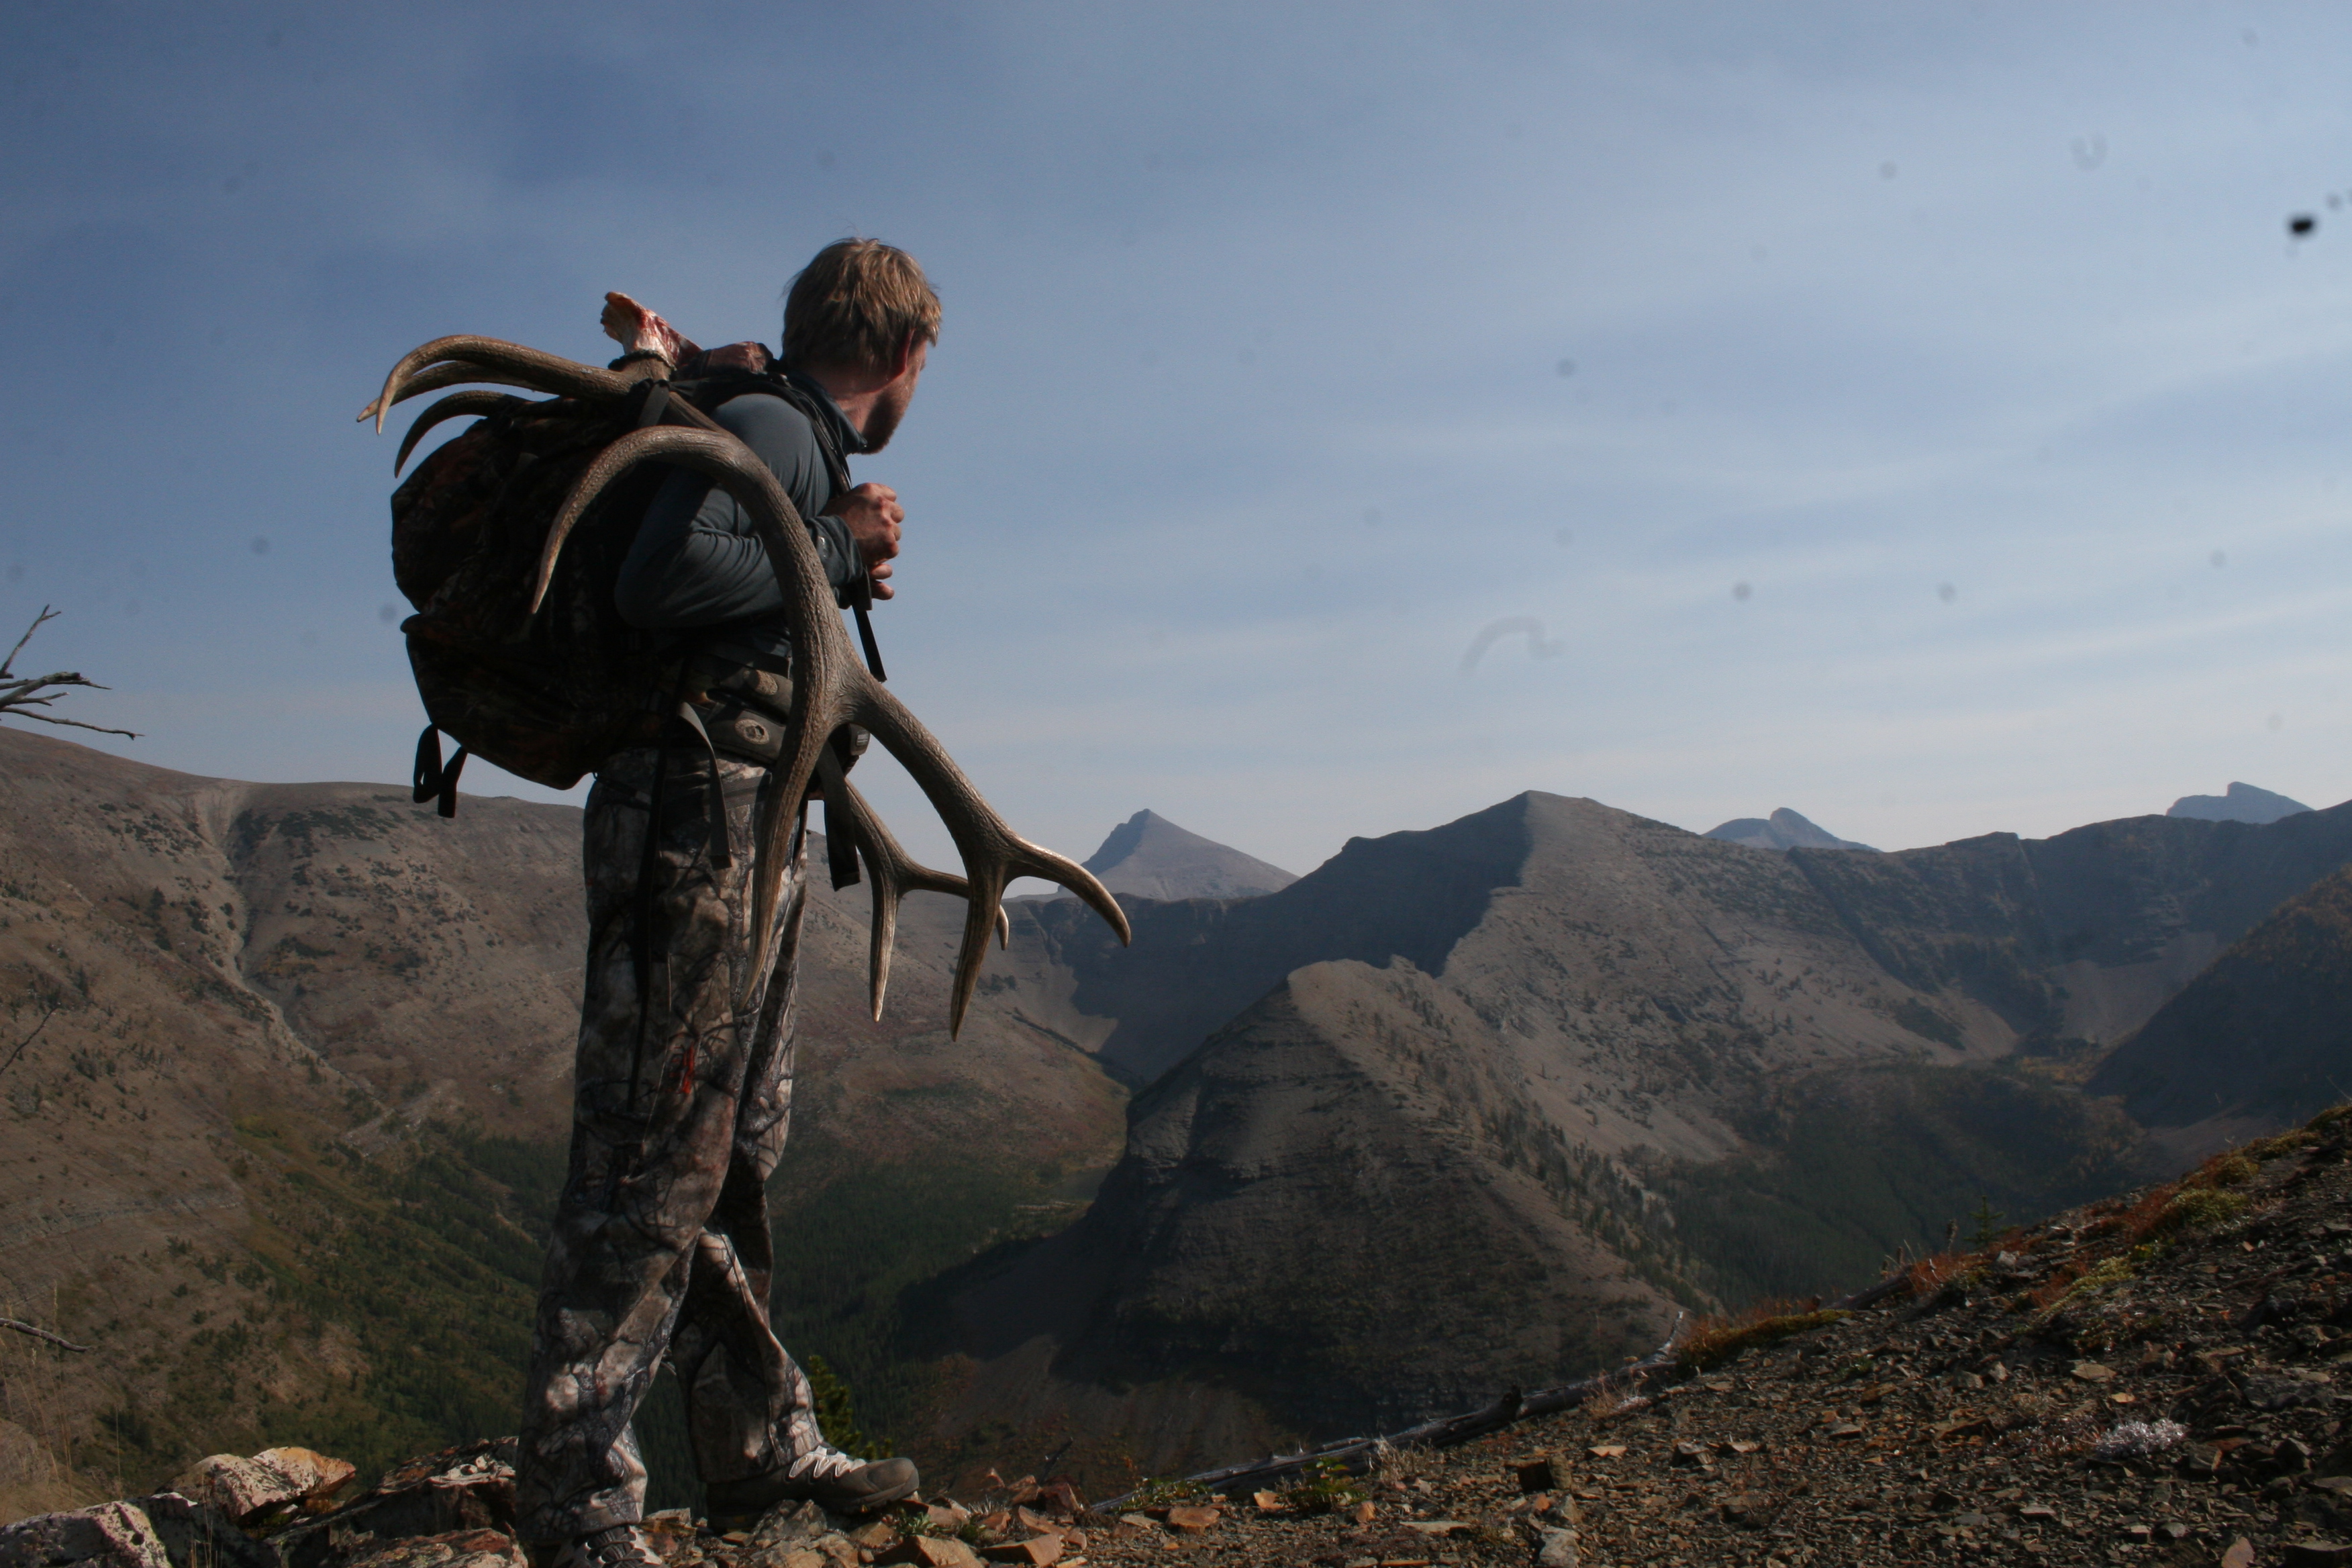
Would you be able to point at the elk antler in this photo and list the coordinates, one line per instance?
(473, 359)
(831, 689)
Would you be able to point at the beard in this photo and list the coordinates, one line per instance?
(882, 420)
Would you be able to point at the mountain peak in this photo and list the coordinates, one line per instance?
(1784, 829)
(1151, 858)
(2243, 803)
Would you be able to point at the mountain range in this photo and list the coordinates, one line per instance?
(1480, 1104)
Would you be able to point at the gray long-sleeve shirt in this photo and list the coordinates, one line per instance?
(696, 561)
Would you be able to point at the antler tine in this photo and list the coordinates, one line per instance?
(450, 372)
(453, 406)
(894, 873)
(509, 362)
(994, 855)
(832, 689)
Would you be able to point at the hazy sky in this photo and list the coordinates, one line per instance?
(1917, 415)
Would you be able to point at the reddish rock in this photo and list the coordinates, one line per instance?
(931, 1551)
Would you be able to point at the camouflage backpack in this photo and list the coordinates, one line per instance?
(547, 695)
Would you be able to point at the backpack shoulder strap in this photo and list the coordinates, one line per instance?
(708, 392)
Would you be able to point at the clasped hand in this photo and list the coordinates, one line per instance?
(873, 514)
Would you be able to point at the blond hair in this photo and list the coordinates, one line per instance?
(854, 303)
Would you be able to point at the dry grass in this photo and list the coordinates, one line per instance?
(38, 1469)
(1933, 1273)
(1713, 1340)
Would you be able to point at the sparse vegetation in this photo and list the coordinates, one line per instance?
(2197, 1207)
(1325, 1487)
(1713, 1342)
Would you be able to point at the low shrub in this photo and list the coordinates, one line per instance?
(2286, 1142)
(2197, 1207)
(1714, 1341)
(1325, 1487)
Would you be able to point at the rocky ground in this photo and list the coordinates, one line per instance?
(2149, 1380)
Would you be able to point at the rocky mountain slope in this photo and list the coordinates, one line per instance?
(244, 1012)
(2153, 1378)
(1460, 1108)
(2259, 1037)
(1151, 858)
(1621, 1063)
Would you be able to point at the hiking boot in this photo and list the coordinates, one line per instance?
(827, 1477)
(615, 1546)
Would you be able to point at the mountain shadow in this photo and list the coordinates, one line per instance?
(2263, 1036)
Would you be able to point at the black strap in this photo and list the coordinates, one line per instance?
(862, 596)
(431, 780)
(840, 847)
(654, 405)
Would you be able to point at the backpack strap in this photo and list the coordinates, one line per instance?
(431, 780)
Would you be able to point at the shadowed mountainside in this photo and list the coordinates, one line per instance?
(2263, 1036)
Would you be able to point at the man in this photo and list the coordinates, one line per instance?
(661, 1244)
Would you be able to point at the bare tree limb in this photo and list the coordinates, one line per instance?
(19, 694)
(46, 615)
(44, 1334)
(28, 1040)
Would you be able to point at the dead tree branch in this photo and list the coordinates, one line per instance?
(20, 694)
(44, 1335)
(28, 1040)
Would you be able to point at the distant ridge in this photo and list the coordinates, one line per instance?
(1151, 858)
(1785, 829)
(2243, 803)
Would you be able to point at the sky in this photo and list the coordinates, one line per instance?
(1346, 415)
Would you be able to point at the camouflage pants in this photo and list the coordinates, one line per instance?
(661, 1244)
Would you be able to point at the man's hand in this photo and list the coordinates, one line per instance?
(873, 514)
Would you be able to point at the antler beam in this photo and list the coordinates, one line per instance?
(456, 405)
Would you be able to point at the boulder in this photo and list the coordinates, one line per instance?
(245, 1488)
(196, 1535)
(455, 1492)
(163, 1530)
(111, 1535)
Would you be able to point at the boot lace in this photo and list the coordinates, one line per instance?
(823, 1465)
